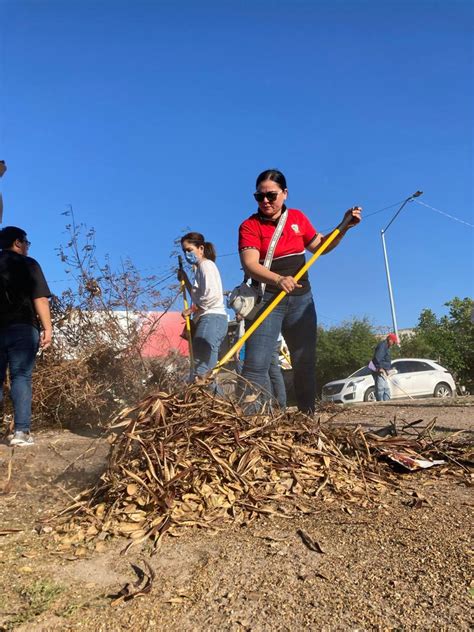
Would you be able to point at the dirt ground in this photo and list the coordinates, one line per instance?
(393, 566)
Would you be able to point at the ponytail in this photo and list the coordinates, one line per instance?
(209, 251)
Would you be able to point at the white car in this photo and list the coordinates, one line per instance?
(413, 377)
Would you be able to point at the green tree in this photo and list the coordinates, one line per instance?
(448, 340)
(344, 349)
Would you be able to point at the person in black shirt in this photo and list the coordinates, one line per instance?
(25, 324)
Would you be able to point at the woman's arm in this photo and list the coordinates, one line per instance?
(319, 239)
(254, 269)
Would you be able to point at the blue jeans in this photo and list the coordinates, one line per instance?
(18, 349)
(276, 377)
(382, 389)
(211, 330)
(295, 318)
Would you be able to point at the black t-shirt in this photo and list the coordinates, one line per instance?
(21, 281)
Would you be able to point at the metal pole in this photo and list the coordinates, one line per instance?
(387, 269)
(389, 283)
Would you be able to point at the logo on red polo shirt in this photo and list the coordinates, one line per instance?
(296, 229)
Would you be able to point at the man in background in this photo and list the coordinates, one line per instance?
(380, 366)
(24, 313)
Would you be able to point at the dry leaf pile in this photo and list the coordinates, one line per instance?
(197, 460)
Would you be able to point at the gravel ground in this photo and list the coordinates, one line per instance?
(397, 565)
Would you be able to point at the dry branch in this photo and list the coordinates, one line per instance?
(196, 459)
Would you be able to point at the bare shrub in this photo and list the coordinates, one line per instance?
(96, 366)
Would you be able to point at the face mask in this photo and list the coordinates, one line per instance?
(191, 258)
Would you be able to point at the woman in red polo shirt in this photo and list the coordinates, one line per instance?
(295, 316)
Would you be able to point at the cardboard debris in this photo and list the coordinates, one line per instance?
(410, 460)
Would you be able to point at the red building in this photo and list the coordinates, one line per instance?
(162, 335)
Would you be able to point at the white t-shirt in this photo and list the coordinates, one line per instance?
(207, 291)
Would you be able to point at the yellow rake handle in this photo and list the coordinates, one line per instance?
(186, 318)
(279, 297)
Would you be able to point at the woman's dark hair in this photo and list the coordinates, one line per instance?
(275, 176)
(197, 239)
(9, 235)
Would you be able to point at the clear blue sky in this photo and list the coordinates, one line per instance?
(150, 117)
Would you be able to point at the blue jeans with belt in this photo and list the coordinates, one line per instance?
(295, 318)
(18, 349)
(211, 330)
(382, 389)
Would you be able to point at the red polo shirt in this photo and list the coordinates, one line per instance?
(257, 231)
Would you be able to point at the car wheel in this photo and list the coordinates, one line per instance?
(369, 395)
(443, 390)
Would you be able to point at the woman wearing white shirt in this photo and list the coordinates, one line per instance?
(207, 308)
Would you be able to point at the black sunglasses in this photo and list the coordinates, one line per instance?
(270, 195)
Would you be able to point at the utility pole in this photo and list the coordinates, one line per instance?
(387, 268)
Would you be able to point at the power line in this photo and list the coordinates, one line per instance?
(228, 254)
(462, 221)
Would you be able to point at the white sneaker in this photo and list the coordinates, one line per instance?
(21, 439)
